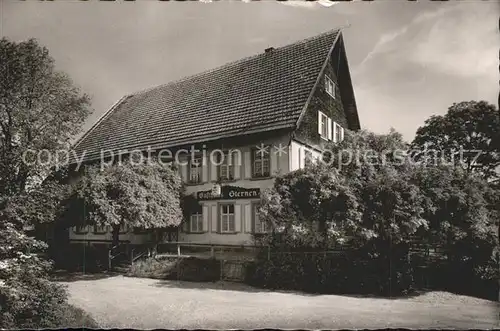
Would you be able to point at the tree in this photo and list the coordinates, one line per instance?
(144, 196)
(369, 188)
(470, 126)
(27, 298)
(463, 212)
(40, 110)
(41, 204)
(361, 194)
(361, 189)
(307, 207)
(379, 174)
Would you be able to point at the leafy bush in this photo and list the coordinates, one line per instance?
(152, 268)
(190, 269)
(378, 207)
(73, 317)
(352, 272)
(27, 297)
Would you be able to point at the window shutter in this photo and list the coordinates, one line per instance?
(237, 218)
(185, 226)
(213, 171)
(329, 128)
(335, 132)
(215, 219)
(205, 218)
(320, 114)
(301, 160)
(247, 164)
(184, 172)
(237, 165)
(341, 133)
(204, 170)
(248, 218)
(273, 160)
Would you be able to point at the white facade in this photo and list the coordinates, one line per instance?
(205, 226)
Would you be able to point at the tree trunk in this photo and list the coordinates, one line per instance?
(115, 235)
(322, 230)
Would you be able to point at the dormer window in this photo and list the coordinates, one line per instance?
(329, 86)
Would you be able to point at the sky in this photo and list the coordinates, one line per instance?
(408, 60)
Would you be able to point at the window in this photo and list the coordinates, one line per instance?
(308, 158)
(195, 170)
(260, 163)
(323, 125)
(329, 86)
(80, 229)
(100, 229)
(196, 220)
(227, 218)
(258, 225)
(226, 168)
(339, 132)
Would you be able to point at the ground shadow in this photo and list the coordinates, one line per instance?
(242, 287)
(413, 294)
(224, 286)
(66, 276)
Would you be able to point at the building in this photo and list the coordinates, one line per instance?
(289, 101)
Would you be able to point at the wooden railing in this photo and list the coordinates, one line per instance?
(176, 249)
(113, 253)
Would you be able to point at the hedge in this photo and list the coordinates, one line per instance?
(344, 273)
(188, 269)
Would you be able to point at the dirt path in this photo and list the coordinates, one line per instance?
(146, 304)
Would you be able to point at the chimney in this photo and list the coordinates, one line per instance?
(269, 50)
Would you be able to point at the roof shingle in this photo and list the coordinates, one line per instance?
(262, 92)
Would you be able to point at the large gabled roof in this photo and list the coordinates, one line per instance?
(268, 91)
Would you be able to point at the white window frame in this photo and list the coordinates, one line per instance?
(226, 170)
(330, 86)
(324, 125)
(258, 225)
(261, 158)
(195, 170)
(196, 221)
(227, 219)
(338, 132)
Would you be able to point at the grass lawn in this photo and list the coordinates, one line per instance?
(147, 303)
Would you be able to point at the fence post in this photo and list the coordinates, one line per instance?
(178, 250)
(212, 251)
(109, 259)
(222, 261)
